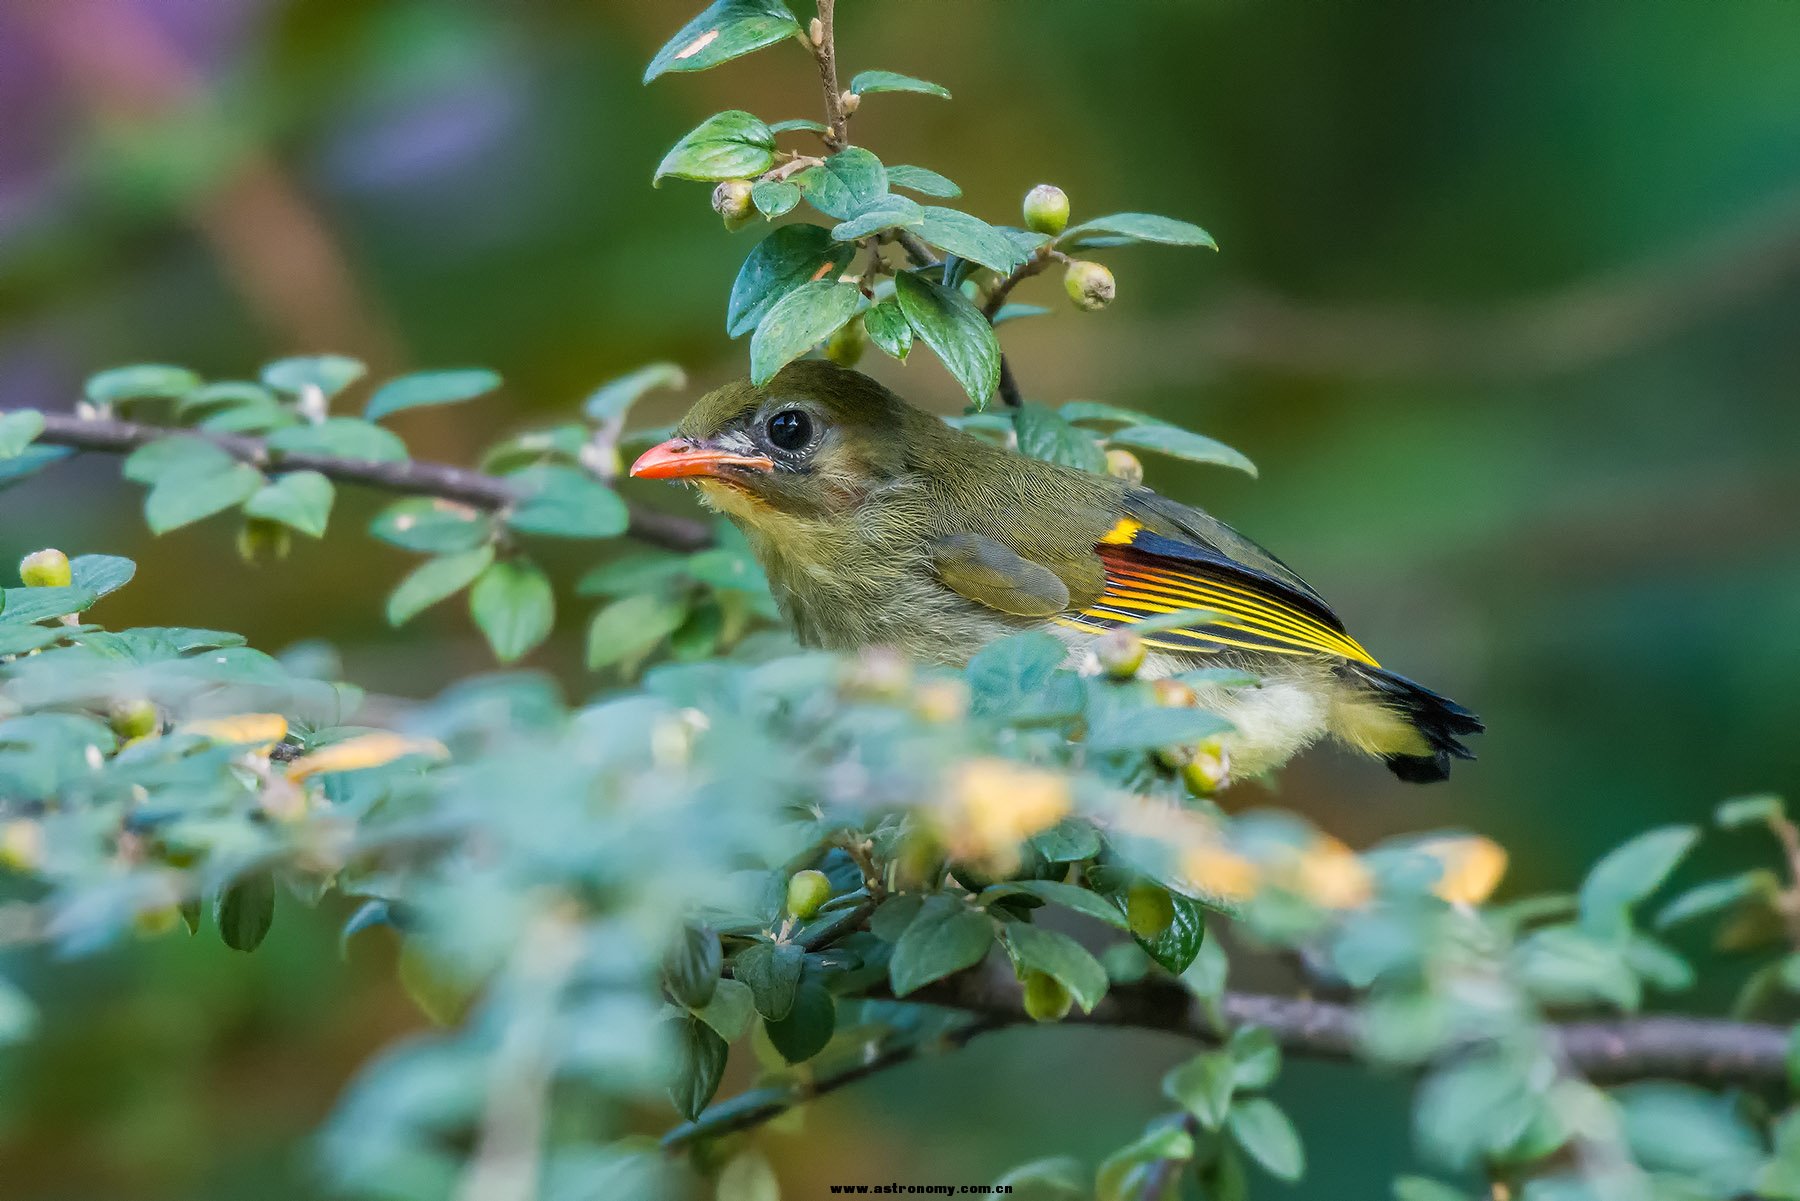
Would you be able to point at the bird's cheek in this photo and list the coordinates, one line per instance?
(731, 499)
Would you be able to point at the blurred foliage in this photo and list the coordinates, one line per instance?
(1593, 534)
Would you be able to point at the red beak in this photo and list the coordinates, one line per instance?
(679, 458)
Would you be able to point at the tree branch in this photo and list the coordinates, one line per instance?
(1702, 1051)
(411, 477)
(824, 46)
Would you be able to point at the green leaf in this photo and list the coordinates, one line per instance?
(888, 328)
(799, 321)
(429, 388)
(1094, 412)
(627, 628)
(894, 915)
(808, 1025)
(970, 238)
(22, 606)
(1423, 1188)
(179, 455)
(329, 373)
(945, 937)
(1560, 965)
(844, 184)
(513, 607)
(143, 381)
(1069, 896)
(773, 197)
(799, 125)
(340, 437)
(1060, 957)
(29, 462)
(1256, 1056)
(923, 181)
(1151, 728)
(1015, 312)
(1715, 895)
(1629, 873)
(1267, 1136)
(435, 580)
(699, 1064)
(1059, 1178)
(955, 330)
(18, 1016)
(692, 966)
(772, 970)
(1135, 227)
(226, 394)
(565, 502)
(884, 212)
(1749, 811)
(789, 257)
(1203, 1086)
(1044, 435)
(178, 500)
(1181, 444)
(611, 401)
(1205, 976)
(300, 500)
(728, 29)
(729, 1010)
(1680, 1128)
(1070, 840)
(245, 910)
(1177, 947)
(101, 574)
(18, 430)
(892, 81)
(730, 145)
(432, 525)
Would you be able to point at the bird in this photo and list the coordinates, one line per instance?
(880, 524)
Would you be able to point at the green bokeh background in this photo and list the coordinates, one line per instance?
(1506, 312)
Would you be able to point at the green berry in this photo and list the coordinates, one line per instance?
(1089, 285)
(1047, 209)
(1123, 465)
(731, 200)
(134, 719)
(1207, 771)
(807, 891)
(45, 569)
(1121, 653)
(1046, 1000)
(845, 348)
(1149, 909)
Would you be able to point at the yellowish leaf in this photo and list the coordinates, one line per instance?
(261, 730)
(1472, 867)
(363, 751)
(995, 804)
(1213, 867)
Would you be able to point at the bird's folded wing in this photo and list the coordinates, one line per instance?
(1149, 574)
(988, 573)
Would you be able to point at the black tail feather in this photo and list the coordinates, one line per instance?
(1441, 720)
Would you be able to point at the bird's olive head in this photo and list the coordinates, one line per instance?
(813, 442)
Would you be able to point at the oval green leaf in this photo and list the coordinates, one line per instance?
(799, 321)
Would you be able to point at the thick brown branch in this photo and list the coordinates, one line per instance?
(411, 477)
(1700, 1050)
(1703, 1051)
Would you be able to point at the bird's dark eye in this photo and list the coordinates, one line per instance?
(790, 429)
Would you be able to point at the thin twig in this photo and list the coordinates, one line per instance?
(825, 55)
(778, 1102)
(411, 477)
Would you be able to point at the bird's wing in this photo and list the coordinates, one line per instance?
(1163, 557)
(994, 575)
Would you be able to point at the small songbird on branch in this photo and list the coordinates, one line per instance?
(879, 524)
